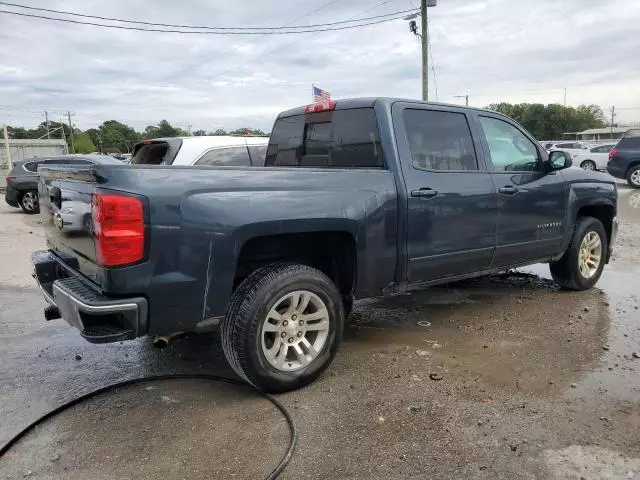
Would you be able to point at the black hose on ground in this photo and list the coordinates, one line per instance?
(290, 421)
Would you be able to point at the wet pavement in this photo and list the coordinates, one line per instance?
(509, 378)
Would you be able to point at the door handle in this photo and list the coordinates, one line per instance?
(424, 192)
(508, 190)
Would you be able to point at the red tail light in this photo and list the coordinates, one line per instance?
(320, 107)
(118, 226)
(10, 179)
(613, 152)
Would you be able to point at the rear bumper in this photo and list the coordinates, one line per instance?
(98, 317)
(617, 171)
(11, 196)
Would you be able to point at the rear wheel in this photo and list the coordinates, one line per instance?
(283, 327)
(633, 177)
(29, 202)
(588, 165)
(581, 265)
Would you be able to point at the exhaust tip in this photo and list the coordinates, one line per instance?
(51, 313)
(160, 342)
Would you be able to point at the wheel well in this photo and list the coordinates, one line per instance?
(632, 164)
(333, 253)
(604, 213)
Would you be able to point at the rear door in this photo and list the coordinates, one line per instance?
(532, 201)
(452, 202)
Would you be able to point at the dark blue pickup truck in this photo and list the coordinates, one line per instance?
(358, 198)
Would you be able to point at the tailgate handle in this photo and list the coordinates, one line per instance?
(55, 196)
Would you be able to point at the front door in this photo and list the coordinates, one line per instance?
(531, 200)
(452, 202)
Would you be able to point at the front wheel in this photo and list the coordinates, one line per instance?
(633, 177)
(588, 165)
(283, 327)
(581, 265)
(29, 202)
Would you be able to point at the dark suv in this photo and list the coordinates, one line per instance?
(22, 181)
(624, 160)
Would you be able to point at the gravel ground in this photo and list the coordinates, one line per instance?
(510, 379)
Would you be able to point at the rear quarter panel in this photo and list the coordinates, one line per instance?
(200, 218)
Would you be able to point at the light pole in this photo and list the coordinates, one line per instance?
(466, 99)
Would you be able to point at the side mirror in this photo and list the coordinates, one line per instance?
(559, 160)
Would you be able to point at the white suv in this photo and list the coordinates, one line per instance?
(570, 147)
(222, 150)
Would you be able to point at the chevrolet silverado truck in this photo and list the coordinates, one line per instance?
(359, 198)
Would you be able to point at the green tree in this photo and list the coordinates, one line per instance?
(247, 131)
(94, 135)
(17, 132)
(83, 143)
(163, 129)
(220, 131)
(118, 135)
(199, 133)
(549, 122)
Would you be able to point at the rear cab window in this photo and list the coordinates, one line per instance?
(329, 139)
(226, 156)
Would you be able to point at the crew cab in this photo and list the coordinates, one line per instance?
(358, 198)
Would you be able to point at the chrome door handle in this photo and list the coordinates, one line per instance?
(424, 192)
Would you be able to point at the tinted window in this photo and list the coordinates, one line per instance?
(564, 145)
(32, 166)
(332, 139)
(439, 140)
(230, 156)
(629, 142)
(150, 154)
(258, 154)
(510, 149)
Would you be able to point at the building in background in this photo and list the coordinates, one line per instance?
(606, 133)
(24, 149)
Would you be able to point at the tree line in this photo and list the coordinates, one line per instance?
(550, 122)
(113, 136)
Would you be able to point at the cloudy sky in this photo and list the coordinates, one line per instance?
(494, 50)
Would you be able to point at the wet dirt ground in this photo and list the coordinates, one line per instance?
(511, 378)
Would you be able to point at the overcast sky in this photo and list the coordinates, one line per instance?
(494, 50)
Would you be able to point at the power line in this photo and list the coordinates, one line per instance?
(183, 32)
(174, 25)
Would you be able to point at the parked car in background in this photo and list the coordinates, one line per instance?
(22, 181)
(624, 161)
(595, 158)
(220, 150)
(571, 148)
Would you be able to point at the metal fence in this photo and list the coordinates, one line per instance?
(25, 149)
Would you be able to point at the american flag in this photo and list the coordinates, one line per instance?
(320, 96)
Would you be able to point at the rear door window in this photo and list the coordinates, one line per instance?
(440, 140)
(32, 166)
(330, 139)
(228, 156)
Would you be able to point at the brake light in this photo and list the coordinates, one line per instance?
(10, 179)
(118, 227)
(613, 152)
(320, 107)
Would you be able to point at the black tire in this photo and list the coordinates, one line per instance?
(588, 165)
(250, 303)
(566, 271)
(630, 175)
(29, 202)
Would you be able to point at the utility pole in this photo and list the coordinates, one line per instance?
(64, 137)
(613, 116)
(189, 129)
(425, 51)
(46, 119)
(565, 97)
(8, 149)
(73, 148)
